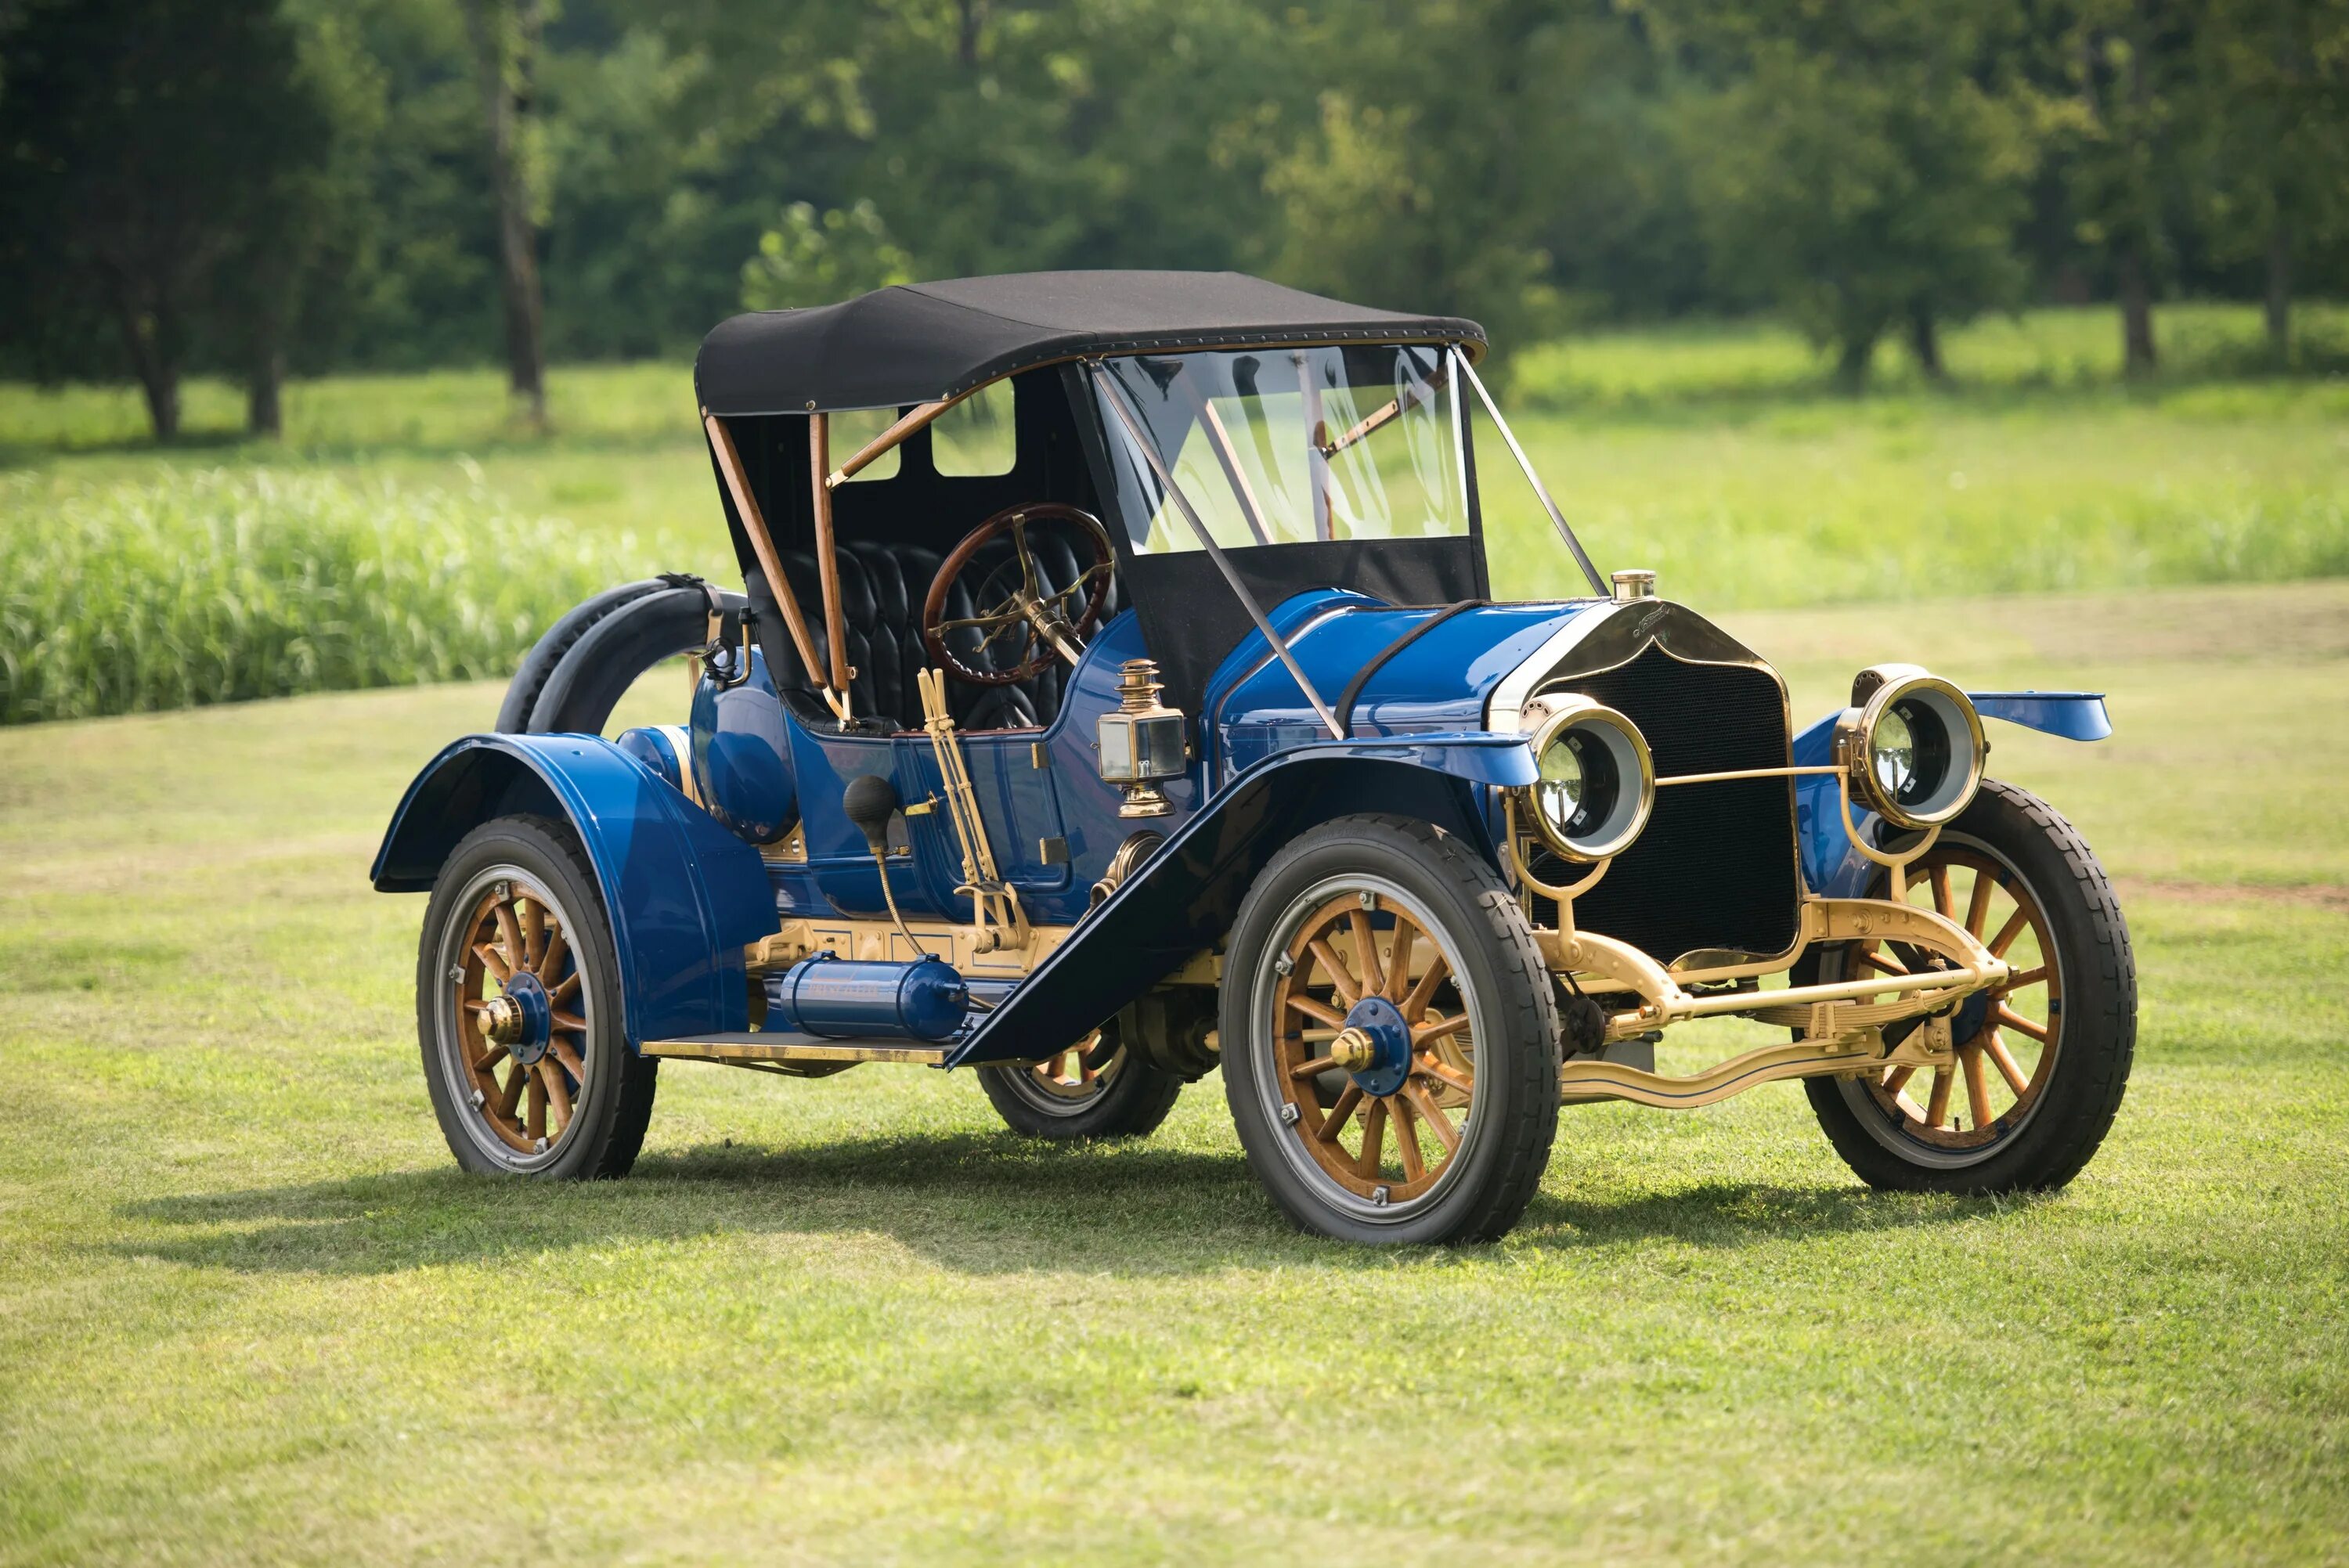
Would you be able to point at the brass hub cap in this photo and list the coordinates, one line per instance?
(1389, 1148)
(522, 1031)
(2005, 1039)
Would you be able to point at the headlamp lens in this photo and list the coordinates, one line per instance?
(1910, 752)
(1579, 783)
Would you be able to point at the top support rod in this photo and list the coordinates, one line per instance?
(1597, 583)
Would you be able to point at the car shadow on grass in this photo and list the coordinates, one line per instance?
(972, 1203)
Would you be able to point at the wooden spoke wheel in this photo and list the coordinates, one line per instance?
(2006, 1040)
(518, 1010)
(1095, 1089)
(1390, 1038)
(2040, 1061)
(522, 1044)
(1380, 1104)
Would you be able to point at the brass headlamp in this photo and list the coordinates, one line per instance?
(1912, 745)
(1597, 781)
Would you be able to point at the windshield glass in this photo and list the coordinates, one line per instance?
(1283, 445)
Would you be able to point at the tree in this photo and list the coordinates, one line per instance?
(506, 36)
(144, 144)
(2121, 63)
(2269, 116)
(1866, 163)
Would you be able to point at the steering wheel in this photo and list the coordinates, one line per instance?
(1023, 602)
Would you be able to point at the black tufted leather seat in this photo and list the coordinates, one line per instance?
(882, 588)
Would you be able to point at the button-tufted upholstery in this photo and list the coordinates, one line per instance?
(882, 589)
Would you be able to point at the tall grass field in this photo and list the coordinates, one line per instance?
(407, 531)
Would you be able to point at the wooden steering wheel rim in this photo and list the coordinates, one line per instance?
(933, 604)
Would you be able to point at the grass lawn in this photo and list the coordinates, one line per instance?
(249, 1311)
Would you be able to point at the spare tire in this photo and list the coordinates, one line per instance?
(577, 674)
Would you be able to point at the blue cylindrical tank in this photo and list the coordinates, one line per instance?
(849, 998)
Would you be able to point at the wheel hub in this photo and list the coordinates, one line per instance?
(1374, 1046)
(522, 1020)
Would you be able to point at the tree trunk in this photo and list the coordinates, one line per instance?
(1925, 342)
(507, 67)
(263, 383)
(1852, 361)
(970, 15)
(2279, 290)
(150, 338)
(2137, 358)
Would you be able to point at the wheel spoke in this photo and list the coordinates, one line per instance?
(1313, 1068)
(2007, 934)
(2009, 1019)
(1315, 1011)
(2008, 1067)
(1977, 1088)
(571, 1021)
(557, 1094)
(492, 962)
(1898, 1078)
(1374, 1129)
(1885, 965)
(570, 1059)
(1406, 1121)
(510, 1095)
(536, 1097)
(1399, 957)
(564, 991)
(1415, 1004)
(1366, 953)
(509, 937)
(1430, 1068)
(2025, 981)
(551, 960)
(1422, 1033)
(1340, 976)
(532, 915)
(1942, 904)
(1978, 907)
(1937, 1109)
(1433, 1115)
(1334, 1122)
(489, 1059)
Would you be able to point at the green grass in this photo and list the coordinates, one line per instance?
(220, 586)
(249, 1312)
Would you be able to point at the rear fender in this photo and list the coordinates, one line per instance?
(1186, 895)
(1832, 868)
(684, 895)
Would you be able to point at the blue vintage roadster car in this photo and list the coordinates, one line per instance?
(1119, 691)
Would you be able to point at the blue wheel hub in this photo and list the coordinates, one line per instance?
(528, 1019)
(1381, 1023)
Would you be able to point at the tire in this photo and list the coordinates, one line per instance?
(484, 899)
(1378, 874)
(2075, 1087)
(577, 674)
(1095, 1089)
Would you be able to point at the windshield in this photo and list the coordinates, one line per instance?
(1283, 445)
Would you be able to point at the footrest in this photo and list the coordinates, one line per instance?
(758, 1046)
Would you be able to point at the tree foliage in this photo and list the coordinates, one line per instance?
(313, 183)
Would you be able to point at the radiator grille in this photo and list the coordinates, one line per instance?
(1715, 868)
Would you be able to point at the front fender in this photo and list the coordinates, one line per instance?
(1186, 895)
(1831, 866)
(684, 894)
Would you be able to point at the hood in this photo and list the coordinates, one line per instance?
(1469, 670)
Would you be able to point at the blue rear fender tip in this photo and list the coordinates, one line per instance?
(684, 895)
(2070, 714)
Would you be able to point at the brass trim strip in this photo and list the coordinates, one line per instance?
(749, 1047)
(1745, 773)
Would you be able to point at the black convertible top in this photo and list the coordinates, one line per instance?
(917, 343)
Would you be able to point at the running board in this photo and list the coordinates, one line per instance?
(780, 1045)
